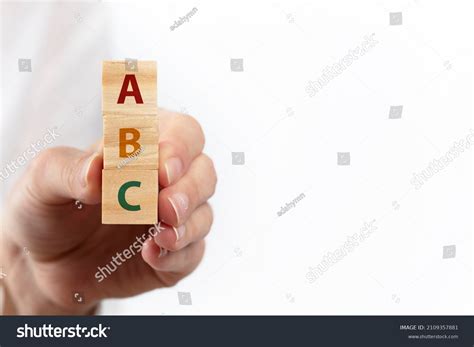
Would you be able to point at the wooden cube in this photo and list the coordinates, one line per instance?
(130, 142)
(129, 196)
(129, 88)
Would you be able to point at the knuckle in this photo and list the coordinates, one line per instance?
(212, 173)
(207, 172)
(200, 224)
(207, 217)
(201, 250)
(42, 159)
(69, 179)
(196, 191)
(210, 215)
(194, 123)
(169, 280)
(193, 228)
(195, 254)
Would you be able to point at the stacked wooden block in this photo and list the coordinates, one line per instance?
(130, 175)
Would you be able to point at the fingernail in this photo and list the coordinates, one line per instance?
(179, 231)
(180, 203)
(86, 168)
(173, 168)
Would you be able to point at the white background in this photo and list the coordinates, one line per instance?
(256, 262)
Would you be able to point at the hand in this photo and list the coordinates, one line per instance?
(66, 245)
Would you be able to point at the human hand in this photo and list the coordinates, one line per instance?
(66, 245)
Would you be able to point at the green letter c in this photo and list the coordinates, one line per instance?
(121, 196)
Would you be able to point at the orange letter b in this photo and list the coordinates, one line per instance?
(124, 141)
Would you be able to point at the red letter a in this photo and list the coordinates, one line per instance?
(135, 92)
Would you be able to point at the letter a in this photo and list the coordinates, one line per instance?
(135, 92)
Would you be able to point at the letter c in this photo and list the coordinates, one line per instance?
(121, 196)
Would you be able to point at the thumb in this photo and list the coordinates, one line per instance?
(61, 174)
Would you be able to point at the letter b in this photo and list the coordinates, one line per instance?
(123, 141)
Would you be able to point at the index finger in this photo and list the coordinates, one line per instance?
(181, 140)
